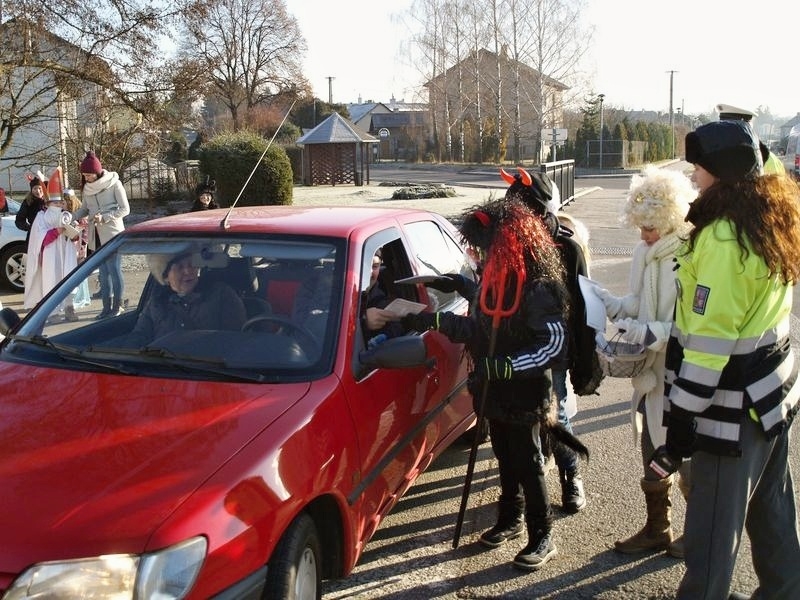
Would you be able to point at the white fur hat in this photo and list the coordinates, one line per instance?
(658, 198)
(160, 264)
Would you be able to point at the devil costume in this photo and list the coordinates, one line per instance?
(512, 360)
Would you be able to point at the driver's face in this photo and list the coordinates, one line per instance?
(182, 277)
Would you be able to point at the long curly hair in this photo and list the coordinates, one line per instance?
(765, 213)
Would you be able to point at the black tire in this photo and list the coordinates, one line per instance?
(295, 570)
(12, 267)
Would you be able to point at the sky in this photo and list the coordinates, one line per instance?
(716, 51)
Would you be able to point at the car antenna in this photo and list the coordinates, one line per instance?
(224, 223)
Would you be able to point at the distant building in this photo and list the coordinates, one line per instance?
(466, 96)
(57, 108)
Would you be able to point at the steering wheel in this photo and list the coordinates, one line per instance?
(282, 324)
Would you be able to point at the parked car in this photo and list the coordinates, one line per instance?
(242, 463)
(12, 250)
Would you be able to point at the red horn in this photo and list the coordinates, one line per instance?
(482, 216)
(526, 177)
(509, 178)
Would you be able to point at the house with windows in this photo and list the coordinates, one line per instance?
(45, 112)
(490, 106)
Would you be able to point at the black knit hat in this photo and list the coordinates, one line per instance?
(209, 186)
(727, 149)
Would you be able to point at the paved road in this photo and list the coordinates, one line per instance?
(411, 556)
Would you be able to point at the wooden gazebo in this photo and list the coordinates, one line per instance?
(336, 151)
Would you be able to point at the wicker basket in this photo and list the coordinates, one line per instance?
(620, 359)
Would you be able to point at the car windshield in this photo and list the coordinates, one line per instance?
(243, 307)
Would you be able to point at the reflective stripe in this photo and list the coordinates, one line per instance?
(722, 347)
(717, 429)
(699, 374)
(706, 344)
(778, 414)
(773, 380)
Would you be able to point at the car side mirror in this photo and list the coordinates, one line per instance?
(396, 353)
(8, 320)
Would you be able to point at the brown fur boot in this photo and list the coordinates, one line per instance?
(657, 531)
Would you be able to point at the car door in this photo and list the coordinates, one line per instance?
(402, 416)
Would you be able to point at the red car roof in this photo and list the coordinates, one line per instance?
(320, 220)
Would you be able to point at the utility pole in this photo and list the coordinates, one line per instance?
(601, 96)
(671, 115)
(330, 89)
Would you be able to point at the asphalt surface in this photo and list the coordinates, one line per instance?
(411, 555)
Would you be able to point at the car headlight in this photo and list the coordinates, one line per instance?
(166, 575)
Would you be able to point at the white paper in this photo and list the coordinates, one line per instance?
(595, 309)
(402, 307)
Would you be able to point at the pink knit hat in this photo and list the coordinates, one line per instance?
(91, 164)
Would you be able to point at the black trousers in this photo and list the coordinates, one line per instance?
(517, 448)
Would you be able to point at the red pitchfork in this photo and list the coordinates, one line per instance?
(497, 312)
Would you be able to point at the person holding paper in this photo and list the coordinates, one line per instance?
(376, 318)
(656, 204)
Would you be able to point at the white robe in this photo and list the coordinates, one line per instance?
(651, 300)
(46, 266)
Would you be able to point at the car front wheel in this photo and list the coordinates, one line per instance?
(12, 260)
(294, 572)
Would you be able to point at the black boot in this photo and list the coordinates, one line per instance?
(540, 549)
(509, 524)
(116, 308)
(573, 497)
(106, 309)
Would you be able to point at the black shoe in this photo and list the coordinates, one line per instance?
(537, 553)
(103, 314)
(501, 533)
(573, 498)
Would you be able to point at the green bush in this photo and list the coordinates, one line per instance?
(229, 158)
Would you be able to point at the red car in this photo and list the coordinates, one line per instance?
(179, 448)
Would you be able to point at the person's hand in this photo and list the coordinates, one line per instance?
(632, 331)
(610, 301)
(495, 368)
(420, 321)
(378, 318)
(450, 282)
(98, 218)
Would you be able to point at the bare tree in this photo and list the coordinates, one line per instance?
(74, 72)
(537, 47)
(247, 52)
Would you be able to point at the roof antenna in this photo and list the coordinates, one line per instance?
(224, 223)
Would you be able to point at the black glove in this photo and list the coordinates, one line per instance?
(681, 432)
(681, 436)
(496, 368)
(420, 322)
(451, 282)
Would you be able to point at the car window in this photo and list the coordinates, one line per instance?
(210, 307)
(437, 253)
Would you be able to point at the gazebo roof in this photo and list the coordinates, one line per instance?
(336, 130)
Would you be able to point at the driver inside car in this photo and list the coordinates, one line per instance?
(185, 301)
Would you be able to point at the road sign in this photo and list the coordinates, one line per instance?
(554, 135)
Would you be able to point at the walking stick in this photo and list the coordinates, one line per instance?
(497, 312)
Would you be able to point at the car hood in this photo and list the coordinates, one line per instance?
(91, 464)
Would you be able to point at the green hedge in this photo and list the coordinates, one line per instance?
(229, 158)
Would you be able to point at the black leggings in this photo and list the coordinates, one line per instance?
(517, 449)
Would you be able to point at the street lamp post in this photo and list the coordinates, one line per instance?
(601, 96)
